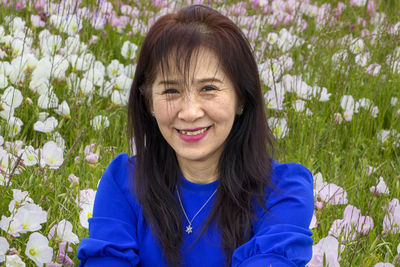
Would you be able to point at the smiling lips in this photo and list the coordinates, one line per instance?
(193, 135)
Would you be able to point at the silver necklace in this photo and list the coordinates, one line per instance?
(189, 227)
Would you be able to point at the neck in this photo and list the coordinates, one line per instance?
(199, 172)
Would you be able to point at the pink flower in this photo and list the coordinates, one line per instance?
(333, 194)
(54, 264)
(36, 21)
(319, 205)
(92, 158)
(89, 149)
(63, 257)
(20, 5)
(40, 4)
(313, 223)
(383, 264)
(329, 249)
(93, 39)
(73, 179)
(380, 188)
(391, 221)
(353, 222)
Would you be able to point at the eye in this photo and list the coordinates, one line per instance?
(170, 91)
(208, 88)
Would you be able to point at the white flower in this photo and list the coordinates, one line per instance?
(56, 137)
(123, 82)
(47, 126)
(86, 87)
(40, 85)
(14, 261)
(14, 126)
(129, 70)
(393, 101)
(95, 75)
(373, 69)
(64, 232)
(63, 110)
(48, 100)
(106, 89)
(82, 62)
(26, 61)
(20, 198)
(383, 135)
(347, 102)
(299, 105)
(274, 99)
(11, 98)
(30, 217)
(3, 81)
(43, 115)
(363, 103)
(52, 155)
(374, 111)
(86, 198)
(100, 122)
(38, 250)
(128, 50)
(321, 93)
(74, 24)
(84, 215)
(278, 126)
(18, 46)
(272, 38)
(17, 24)
(29, 156)
(12, 227)
(357, 46)
(4, 247)
(59, 66)
(51, 44)
(70, 24)
(16, 75)
(119, 98)
(114, 69)
(338, 118)
(73, 45)
(362, 59)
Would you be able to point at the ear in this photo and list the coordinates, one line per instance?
(240, 110)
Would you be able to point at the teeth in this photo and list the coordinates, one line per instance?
(193, 133)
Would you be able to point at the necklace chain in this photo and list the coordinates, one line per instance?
(189, 227)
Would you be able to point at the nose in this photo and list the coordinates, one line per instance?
(190, 109)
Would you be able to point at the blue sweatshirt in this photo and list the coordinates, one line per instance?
(120, 236)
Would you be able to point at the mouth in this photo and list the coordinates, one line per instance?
(192, 132)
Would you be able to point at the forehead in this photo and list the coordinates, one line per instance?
(202, 63)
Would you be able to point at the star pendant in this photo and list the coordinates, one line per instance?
(188, 229)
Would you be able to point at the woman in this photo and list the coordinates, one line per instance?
(202, 189)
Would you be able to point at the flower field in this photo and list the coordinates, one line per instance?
(330, 73)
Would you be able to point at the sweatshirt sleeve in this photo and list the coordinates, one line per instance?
(282, 236)
(112, 229)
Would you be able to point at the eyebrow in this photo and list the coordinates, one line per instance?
(177, 82)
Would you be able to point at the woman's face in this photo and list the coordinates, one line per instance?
(195, 119)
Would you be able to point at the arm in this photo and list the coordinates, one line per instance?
(112, 229)
(282, 236)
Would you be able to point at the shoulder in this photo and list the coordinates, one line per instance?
(290, 174)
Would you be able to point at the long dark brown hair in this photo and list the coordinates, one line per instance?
(245, 164)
